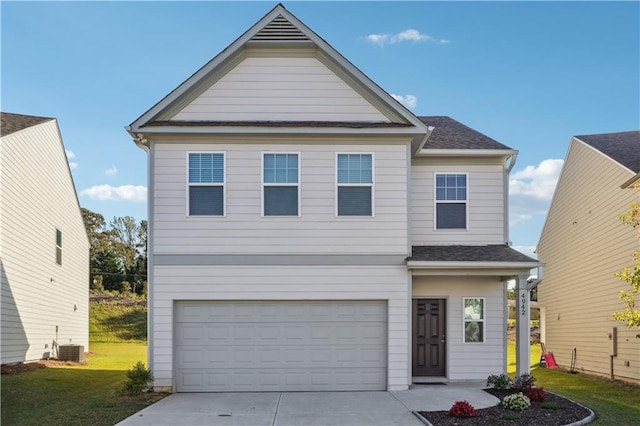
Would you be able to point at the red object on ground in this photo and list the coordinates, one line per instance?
(549, 360)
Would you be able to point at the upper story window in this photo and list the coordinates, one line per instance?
(58, 247)
(355, 184)
(280, 184)
(206, 184)
(451, 201)
(474, 315)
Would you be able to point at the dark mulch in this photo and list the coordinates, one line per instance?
(566, 413)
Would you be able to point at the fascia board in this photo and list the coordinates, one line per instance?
(275, 130)
(466, 152)
(635, 180)
(474, 266)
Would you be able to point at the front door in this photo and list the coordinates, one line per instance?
(429, 337)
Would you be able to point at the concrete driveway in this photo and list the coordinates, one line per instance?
(308, 408)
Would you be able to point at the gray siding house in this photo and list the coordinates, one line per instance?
(307, 232)
(44, 250)
(583, 244)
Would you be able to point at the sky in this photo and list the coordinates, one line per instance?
(528, 74)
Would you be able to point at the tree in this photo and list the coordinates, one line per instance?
(129, 243)
(630, 315)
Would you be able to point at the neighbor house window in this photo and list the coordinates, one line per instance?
(451, 201)
(58, 247)
(206, 184)
(355, 184)
(280, 184)
(473, 316)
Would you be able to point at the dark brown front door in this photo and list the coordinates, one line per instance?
(429, 337)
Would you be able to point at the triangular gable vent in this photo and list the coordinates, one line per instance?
(280, 29)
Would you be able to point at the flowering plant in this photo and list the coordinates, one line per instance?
(462, 409)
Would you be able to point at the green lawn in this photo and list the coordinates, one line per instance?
(613, 402)
(78, 395)
(117, 322)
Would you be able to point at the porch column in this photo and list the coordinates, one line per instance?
(523, 352)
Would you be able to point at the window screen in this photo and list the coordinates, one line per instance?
(355, 184)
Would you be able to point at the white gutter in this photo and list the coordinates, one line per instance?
(418, 264)
(467, 152)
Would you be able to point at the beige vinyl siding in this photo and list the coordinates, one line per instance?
(280, 88)
(583, 244)
(469, 361)
(485, 204)
(245, 231)
(382, 283)
(37, 198)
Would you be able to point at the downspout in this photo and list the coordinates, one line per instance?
(143, 143)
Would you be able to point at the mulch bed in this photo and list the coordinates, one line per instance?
(27, 367)
(567, 412)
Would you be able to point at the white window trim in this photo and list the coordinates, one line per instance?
(223, 184)
(372, 185)
(483, 320)
(58, 247)
(263, 184)
(436, 202)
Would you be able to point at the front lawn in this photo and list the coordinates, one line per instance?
(76, 395)
(614, 403)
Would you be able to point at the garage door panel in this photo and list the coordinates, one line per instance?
(284, 346)
(292, 380)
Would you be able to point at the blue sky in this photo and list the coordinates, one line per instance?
(528, 74)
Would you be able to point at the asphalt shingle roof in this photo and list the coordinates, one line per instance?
(451, 134)
(623, 147)
(11, 123)
(488, 253)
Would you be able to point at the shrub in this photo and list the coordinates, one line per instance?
(536, 394)
(139, 379)
(499, 381)
(510, 416)
(462, 409)
(524, 382)
(516, 402)
(549, 405)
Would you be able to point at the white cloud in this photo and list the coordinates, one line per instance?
(70, 156)
(531, 190)
(409, 101)
(411, 35)
(111, 171)
(116, 193)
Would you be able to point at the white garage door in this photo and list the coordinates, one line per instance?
(280, 346)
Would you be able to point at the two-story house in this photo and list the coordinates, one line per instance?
(308, 232)
(584, 243)
(44, 249)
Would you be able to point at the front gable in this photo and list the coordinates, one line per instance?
(278, 75)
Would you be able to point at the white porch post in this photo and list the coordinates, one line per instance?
(523, 353)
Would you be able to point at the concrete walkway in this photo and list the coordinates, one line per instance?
(308, 408)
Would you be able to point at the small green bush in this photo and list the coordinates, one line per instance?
(524, 382)
(499, 381)
(139, 379)
(510, 416)
(549, 405)
(516, 402)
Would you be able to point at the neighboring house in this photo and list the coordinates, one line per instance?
(583, 244)
(307, 232)
(44, 250)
